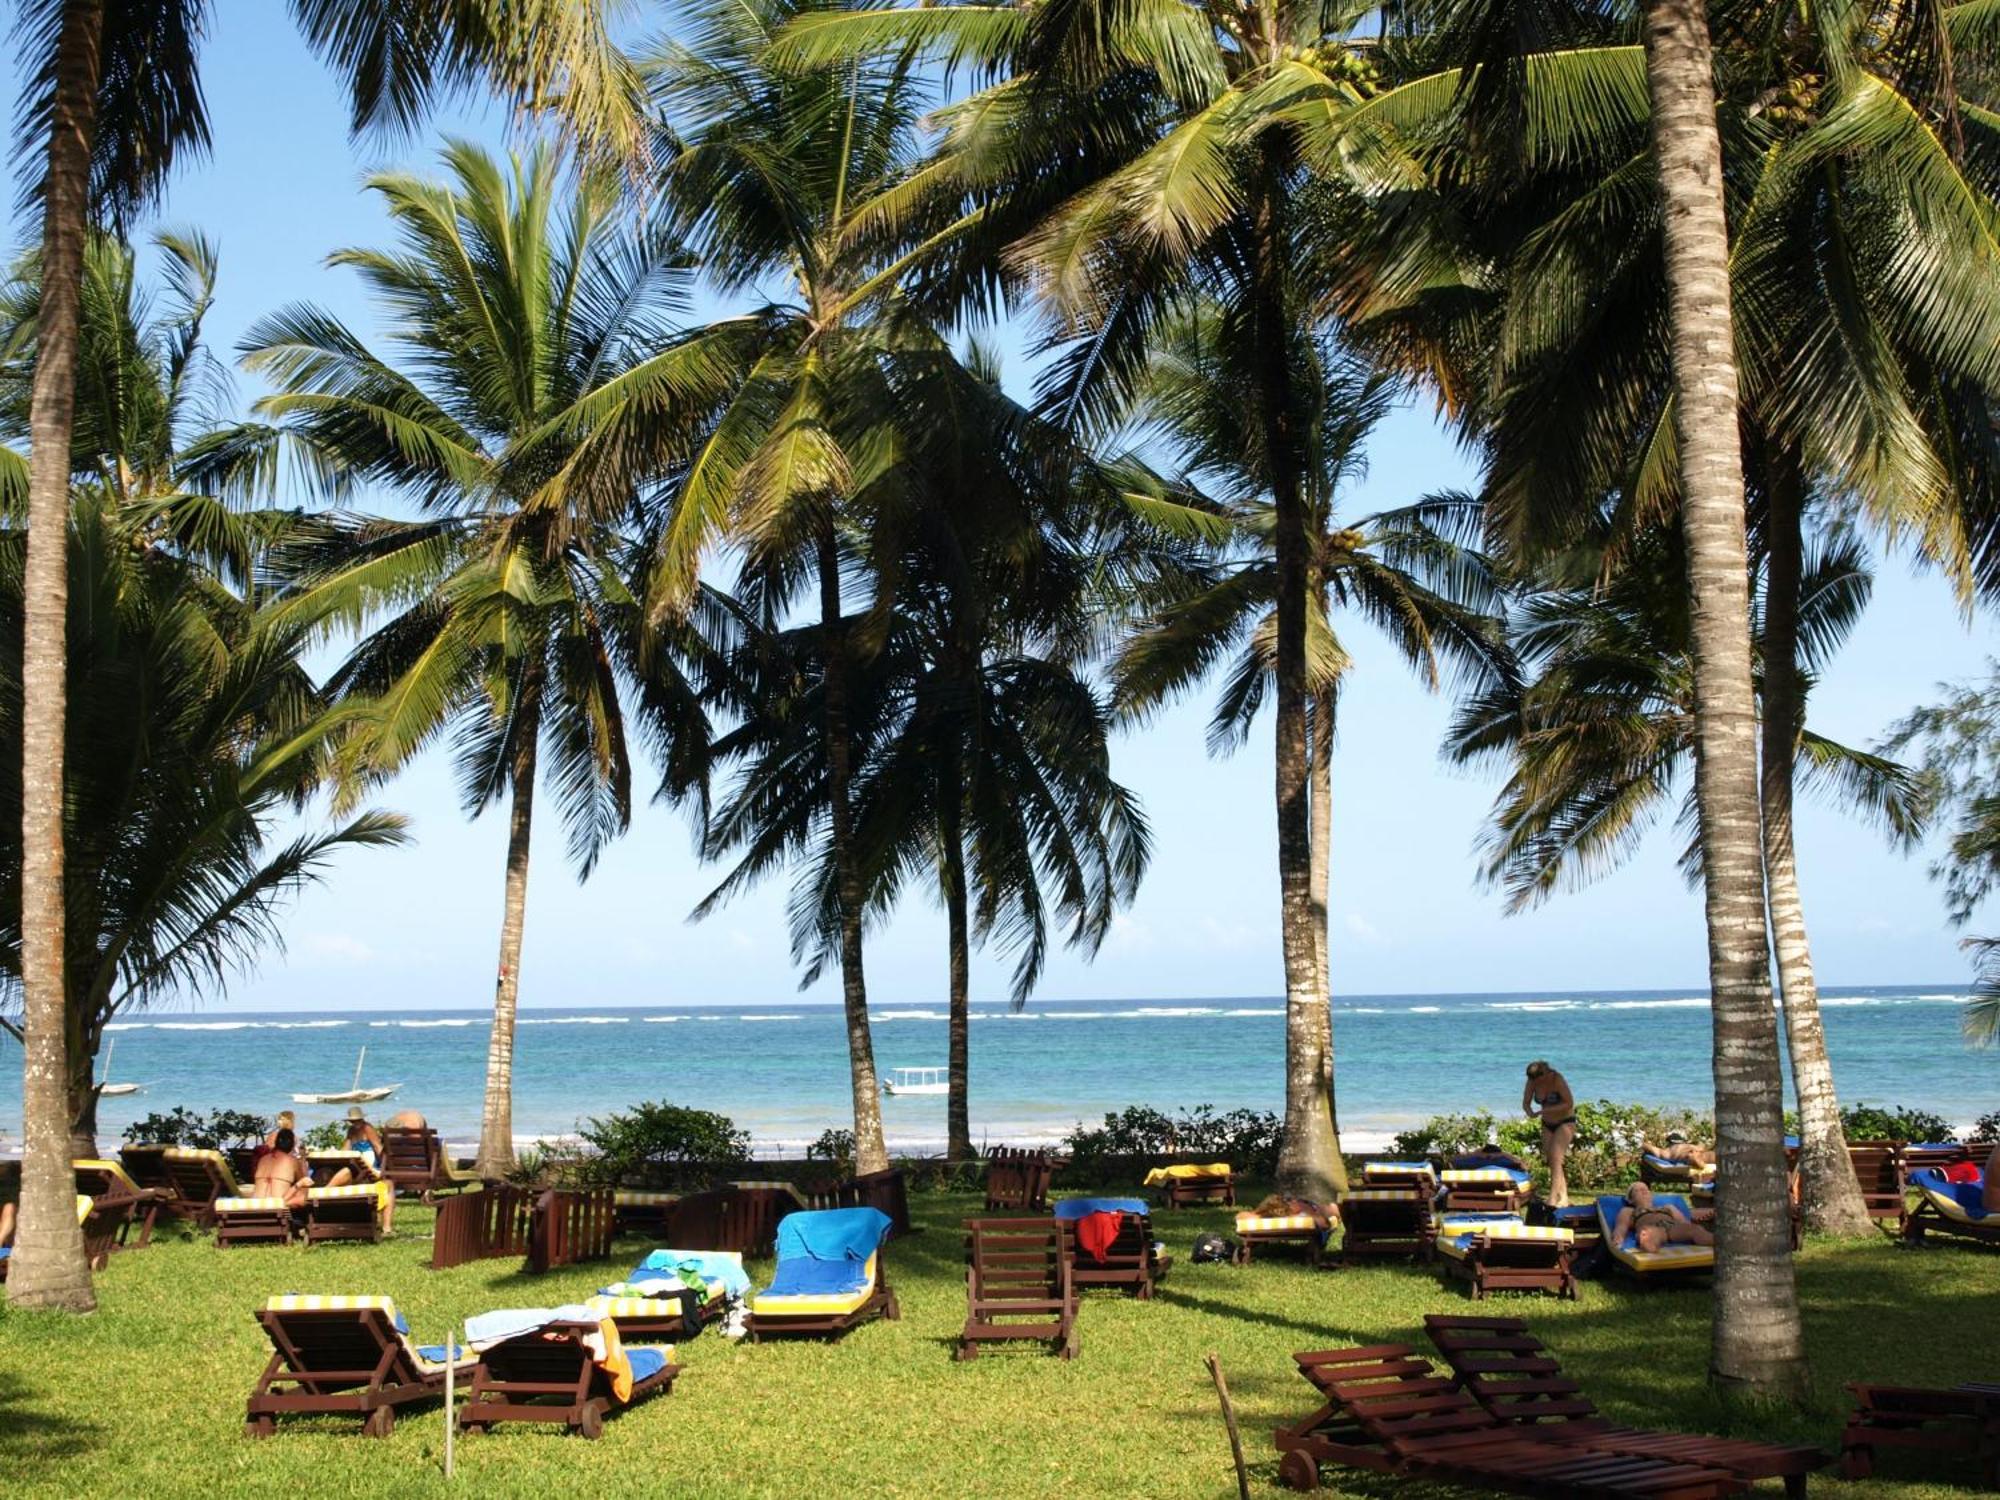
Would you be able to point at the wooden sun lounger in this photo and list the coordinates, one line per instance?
(1387, 1221)
(352, 1212)
(1881, 1177)
(880, 1302)
(1017, 1269)
(102, 1178)
(1018, 1179)
(1965, 1420)
(1502, 1257)
(147, 1166)
(252, 1221)
(415, 1161)
(198, 1178)
(1133, 1263)
(1939, 1210)
(1484, 1190)
(549, 1376)
(1254, 1231)
(332, 1359)
(1387, 1410)
(1511, 1373)
(643, 1211)
(1185, 1192)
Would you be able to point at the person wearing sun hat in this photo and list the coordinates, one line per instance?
(364, 1139)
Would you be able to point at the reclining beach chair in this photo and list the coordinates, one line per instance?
(1509, 1371)
(332, 1355)
(1669, 1262)
(1386, 1410)
(243, 1220)
(415, 1161)
(1388, 1220)
(1956, 1208)
(1017, 1269)
(829, 1276)
(99, 1227)
(1917, 1155)
(569, 1368)
(1185, 1183)
(1410, 1172)
(1018, 1179)
(1303, 1229)
(1965, 1420)
(641, 1309)
(147, 1166)
(1485, 1190)
(101, 1178)
(352, 1211)
(1131, 1261)
(1500, 1253)
(1677, 1176)
(198, 1178)
(1881, 1178)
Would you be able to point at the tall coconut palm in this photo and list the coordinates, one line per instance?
(1405, 571)
(982, 761)
(800, 178)
(520, 416)
(114, 100)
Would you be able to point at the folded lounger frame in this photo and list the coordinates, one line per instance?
(549, 1375)
(103, 1178)
(1387, 1410)
(1132, 1263)
(1511, 1373)
(1395, 1221)
(251, 1221)
(1018, 1179)
(339, 1355)
(1961, 1421)
(1017, 1269)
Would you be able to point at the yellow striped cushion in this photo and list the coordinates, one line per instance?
(84, 1204)
(790, 1189)
(1188, 1172)
(378, 1190)
(1397, 1169)
(110, 1169)
(764, 1304)
(295, 1302)
(632, 1307)
(1463, 1175)
(1547, 1232)
(1274, 1223)
(629, 1198)
(248, 1205)
(1667, 1257)
(1378, 1195)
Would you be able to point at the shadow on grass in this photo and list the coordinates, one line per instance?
(32, 1436)
(1325, 1335)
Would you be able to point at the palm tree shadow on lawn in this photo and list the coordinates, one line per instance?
(36, 1437)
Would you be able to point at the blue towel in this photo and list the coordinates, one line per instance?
(435, 1353)
(484, 1330)
(1970, 1196)
(832, 1233)
(1075, 1208)
(645, 1362)
(714, 1265)
(803, 1276)
(1791, 1143)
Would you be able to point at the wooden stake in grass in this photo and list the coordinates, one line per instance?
(450, 1410)
(1229, 1418)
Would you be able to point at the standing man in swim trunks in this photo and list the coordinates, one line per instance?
(1548, 1098)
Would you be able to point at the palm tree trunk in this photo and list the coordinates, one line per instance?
(1829, 1194)
(1324, 706)
(48, 1268)
(870, 1153)
(83, 1095)
(1757, 1343)
(1306, 1162)
(958, 1056)
(496, 1123)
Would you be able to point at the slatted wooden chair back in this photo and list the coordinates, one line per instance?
(1877, 1168)
(1393, 1399)
(410, 1158)
(1017, 1179)
(326, 1350)
(480, 1226)
(1129, 1262)
(104, 1226)
(695, 1222)
(567, 1227)
(147, 1166)
(1017, 1285)
(1507, 1370)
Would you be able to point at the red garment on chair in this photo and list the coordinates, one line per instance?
(1095, 1233)
(1963, 1171)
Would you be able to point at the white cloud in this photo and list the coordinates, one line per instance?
(1362, 928)
(336, 948)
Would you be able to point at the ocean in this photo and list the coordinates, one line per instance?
(781, 1071)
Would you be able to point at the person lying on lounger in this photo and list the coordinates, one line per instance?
(280, 1174)
(367, 1141)
(1680, 1148)
(1656, 1224)
(1492, 1154)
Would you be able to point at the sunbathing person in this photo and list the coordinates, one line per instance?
(279, 1172)
(1656, 1224)
(408, 1119)
(367, 1140)
(1490, 1155)
(287, 1121)
(1679, 1148)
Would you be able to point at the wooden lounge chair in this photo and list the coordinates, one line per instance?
(1485, 1190)
(99, 1229)
(243, 1220)
(1676, 1176)
(1500, 1253)
(1509, 1371)
(1652, 1267)
(1965, 1420)
(552, 1375)
(415, 1161)
(642, 1210)
(1131, 1263)
(676, 1316)
(481, 1226)
(1387, 1221)
(1387, 1410)
(814, 1291)
(1017, 1179)
(567, 1227)
(198, 1178)
(1947, 1207)
(1877, 1168)
(1183, 1183)
(98, 1177)
(1917, 1155)
(333, 1355)
(352, 1211)
(1308, 1231)
(1017, 1269)
(1400, 1172)
(323, 1166)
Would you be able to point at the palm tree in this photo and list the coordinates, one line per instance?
(981, 756)
(115, 99)
(1402, 570)
(191, 726)
(802, 178)
(521, 420)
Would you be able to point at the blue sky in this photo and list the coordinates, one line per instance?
(420, 927)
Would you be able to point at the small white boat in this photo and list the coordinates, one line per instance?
(108, 1088)
(354, 1095)
(917, 1081)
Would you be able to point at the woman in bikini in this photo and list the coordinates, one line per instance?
(1548, 1098)
(280, 1174)
(1656, 1224)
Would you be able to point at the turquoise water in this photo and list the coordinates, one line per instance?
(782, 1071)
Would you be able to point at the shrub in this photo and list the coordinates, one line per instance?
(653, 1139)
(218, 1130)
(836, 1149)
(1985, 1130)
(330, 1135)
(1603, 1153)
(1865, 1122)
(1246, 1138)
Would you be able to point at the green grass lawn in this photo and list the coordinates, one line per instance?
(146, 1396)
